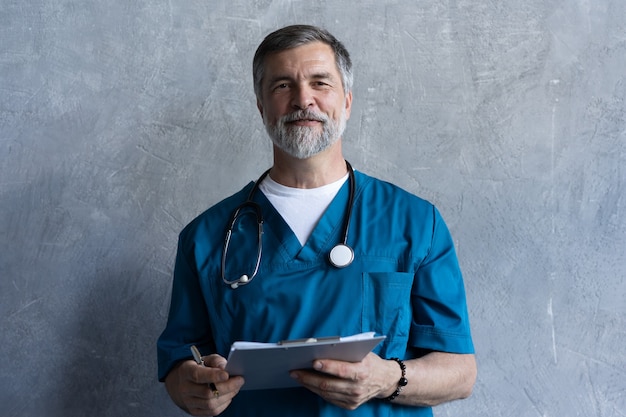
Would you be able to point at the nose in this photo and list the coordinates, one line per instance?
(302, 98)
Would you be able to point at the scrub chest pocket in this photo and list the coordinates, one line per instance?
(386, 309)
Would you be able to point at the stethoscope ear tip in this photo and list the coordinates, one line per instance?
(242, 280)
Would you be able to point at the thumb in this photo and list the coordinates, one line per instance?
(215, 361)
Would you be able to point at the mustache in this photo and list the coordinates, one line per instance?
(304, 115)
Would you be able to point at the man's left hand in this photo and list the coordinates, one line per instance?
(348, 385)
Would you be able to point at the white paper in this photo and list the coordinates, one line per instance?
(259, 345)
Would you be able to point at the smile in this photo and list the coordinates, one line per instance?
(305, 122)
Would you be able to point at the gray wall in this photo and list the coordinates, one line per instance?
(121, 121)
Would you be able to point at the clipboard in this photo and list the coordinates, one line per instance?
(267, 365)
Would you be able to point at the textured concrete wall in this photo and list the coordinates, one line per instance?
(120, 121)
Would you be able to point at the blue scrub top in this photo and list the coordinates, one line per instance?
(404, 283)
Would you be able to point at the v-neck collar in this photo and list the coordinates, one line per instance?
(282, 240)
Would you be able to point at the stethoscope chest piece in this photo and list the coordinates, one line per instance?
(341, 256)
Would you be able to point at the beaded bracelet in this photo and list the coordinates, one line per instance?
(401, 383)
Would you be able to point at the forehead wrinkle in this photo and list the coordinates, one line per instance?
(314, 61)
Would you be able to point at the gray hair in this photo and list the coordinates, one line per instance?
(297, 35)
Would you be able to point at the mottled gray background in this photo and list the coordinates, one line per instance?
(120, 121)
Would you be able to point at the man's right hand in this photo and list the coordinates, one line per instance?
(202, 390)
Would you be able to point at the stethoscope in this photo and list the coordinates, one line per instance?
(340, 256)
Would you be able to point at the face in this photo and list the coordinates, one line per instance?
(303, 103)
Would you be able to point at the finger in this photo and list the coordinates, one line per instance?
(204, 376)
(334, 390)
(319, 383)
(228, 389)
(200, 407)
(215, 361)
(213, 397)
(340, 369)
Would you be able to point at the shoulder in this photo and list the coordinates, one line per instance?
(380, 193)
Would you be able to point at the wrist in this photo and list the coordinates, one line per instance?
(401, 382)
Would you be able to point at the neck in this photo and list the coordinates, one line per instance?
(319, 170)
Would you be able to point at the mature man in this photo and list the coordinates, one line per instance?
(340, 253)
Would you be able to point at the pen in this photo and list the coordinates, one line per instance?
(196, 355)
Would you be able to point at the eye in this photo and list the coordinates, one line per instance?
(322, 85)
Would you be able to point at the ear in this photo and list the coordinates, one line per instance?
(259, 106)
(348, 104)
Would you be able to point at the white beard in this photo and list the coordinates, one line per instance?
(304, 141)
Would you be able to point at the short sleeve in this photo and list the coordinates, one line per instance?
(440, 319)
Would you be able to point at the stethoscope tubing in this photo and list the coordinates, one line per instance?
(345, 252)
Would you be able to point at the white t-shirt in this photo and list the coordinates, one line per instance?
(301, 208)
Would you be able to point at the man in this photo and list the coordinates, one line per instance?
(397, 274)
